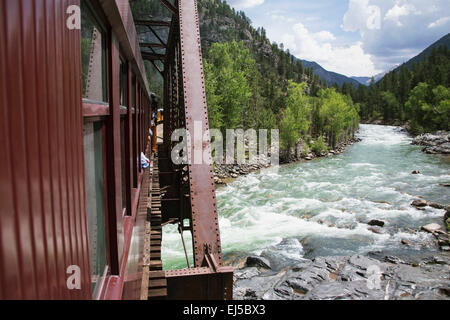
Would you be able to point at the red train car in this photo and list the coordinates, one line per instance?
(74, 119)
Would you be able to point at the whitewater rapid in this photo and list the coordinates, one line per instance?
(321, 208)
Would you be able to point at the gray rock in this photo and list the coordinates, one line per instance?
(440, 260)
(247, 273)
(299, 285)
(377, 230)
(406, 242)
(419, 203)
(254, 261)
(315, 280)
(431, 228)
(355, 290)
(375, 222)
(434, 143)
(394, 260)
(436, 205)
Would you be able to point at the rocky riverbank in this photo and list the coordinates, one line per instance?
(434, 143)
(224, 174)
(375, 276)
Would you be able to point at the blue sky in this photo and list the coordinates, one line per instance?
(351, 37)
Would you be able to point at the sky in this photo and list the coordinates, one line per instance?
(352, 37)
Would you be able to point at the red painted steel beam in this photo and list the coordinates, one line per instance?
(152, 45)
(169, 6)
(153, 23)
(206, 235)
(153, 56)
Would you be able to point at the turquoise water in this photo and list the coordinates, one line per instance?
(322, 207)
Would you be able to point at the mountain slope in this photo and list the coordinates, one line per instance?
(329, 76)
(363, 80)
(219, 23)
(444, 41)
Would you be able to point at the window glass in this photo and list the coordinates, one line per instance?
(93, 56)
(95, 200)
(123, 160)
(123, 84)
(133, 93)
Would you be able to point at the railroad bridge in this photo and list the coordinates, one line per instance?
(81, 211)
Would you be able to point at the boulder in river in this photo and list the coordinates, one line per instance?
(419, 203)
(377, 230)
(447, 213)
(375, 222)
(415, 172)
(255, 261)
(436, 205)
(434, 143)
(432, 228)
(406, 242)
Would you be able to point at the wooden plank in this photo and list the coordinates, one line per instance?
(158, 283)
(155, 265)
(155, 256)
(157, 274)
(157, 293)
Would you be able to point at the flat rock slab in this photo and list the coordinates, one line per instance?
(419, 203)
(432, 228)
(356, 277)
(254, 261)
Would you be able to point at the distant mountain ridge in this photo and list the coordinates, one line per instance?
(444, 41)
(329, 76)
(363, 80)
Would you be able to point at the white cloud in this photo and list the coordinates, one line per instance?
(439, 22)
(281, 18)
(396, 12)
(406, 27)
(245, 4)
(324, 36)
(349, 60)
(361, 16)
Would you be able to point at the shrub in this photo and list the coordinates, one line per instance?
(319, 146)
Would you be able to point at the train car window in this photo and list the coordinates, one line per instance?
(133, 92)
(95, 200)
(123, 83)
(93, 55)
(123, 168)
(134, 150)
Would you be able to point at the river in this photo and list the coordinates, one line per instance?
(321, 208)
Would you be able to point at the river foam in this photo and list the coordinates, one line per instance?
(324, 205)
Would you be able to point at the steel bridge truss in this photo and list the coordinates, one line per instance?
(188, 191)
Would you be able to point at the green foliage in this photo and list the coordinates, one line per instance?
(305, 150)
(418, 95)
(319, 146)
(429, 108)
(253, 83)
(336, 116)
(228, 71)
(296, 120)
